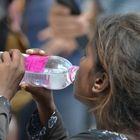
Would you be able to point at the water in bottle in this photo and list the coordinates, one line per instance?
(51, 72)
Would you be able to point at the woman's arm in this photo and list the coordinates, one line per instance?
(45, 122)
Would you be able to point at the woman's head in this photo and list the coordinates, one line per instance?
(109, 76)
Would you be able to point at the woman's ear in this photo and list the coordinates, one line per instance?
(101, 82)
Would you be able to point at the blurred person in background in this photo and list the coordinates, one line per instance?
(78, 25)
(15, 37)
(4, 5)
(10, 26)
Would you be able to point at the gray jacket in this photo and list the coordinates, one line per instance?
(5, 117)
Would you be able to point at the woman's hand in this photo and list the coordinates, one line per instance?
(64, 25)
(59, 46)
(42, 96)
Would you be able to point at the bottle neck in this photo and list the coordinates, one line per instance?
(72, 72)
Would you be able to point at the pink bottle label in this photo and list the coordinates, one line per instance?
(35, 63)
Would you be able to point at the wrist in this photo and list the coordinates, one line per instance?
(45, 112)
(44, 101)
(5, 103)
(7, 96)
(50, 108)
(6, 93)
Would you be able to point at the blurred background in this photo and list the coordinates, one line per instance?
(43, 24)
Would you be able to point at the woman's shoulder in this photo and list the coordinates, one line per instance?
(100, 135)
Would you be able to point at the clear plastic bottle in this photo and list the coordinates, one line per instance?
(51, 72)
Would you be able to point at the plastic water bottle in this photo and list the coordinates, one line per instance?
(51, 72)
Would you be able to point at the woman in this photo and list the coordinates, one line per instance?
(108, 82)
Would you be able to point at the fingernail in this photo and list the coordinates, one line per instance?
(30, 51)
(42, 52)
